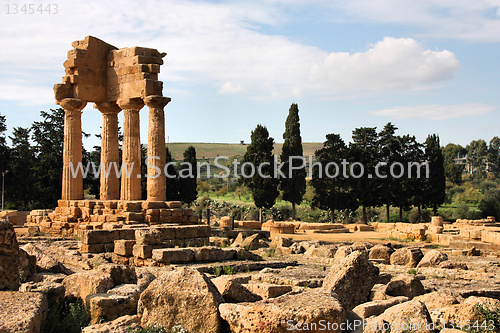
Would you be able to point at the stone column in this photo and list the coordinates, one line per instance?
(72, 185)
(110, 183)
(131, 154)
(156, 181)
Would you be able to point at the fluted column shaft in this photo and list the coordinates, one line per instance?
(110, 160)
(156, 181)
(72, 182)
(131, 154)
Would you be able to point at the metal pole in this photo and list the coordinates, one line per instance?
(3, 186)
(208, 216)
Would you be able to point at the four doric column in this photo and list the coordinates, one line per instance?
(156, 182)
(110, 161)
(131, 155)
(72, 182)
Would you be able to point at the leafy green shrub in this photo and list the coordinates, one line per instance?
(490, 205)
(223, 270)
(68, 317)
(462, 211)
(485, 315)
(425, 215)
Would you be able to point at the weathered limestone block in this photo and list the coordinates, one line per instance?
(80, 285)
(54, 291)
(9, 258)
(27, 266)
(399, 318)
(122, 324)
(380, 251)
(234, 292)
(208, 253)
(130, 206)
(405, 285)
(120, 274)
(192, 231)
(174, 204)
(375, 308)
(167, 256)
(165, 300)
(148, 236)
(124, 247)
(407, 256)
(109, 306)
(432, 258)
(267, 291)
(142, 251)
(22, 311)
(466, 311)
(352, 279)
(97, 236)
(279, 241)
(311, 307)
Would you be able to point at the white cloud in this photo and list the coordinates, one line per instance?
(230, 88)
(220, 45)
(435, 112)
(458, 19)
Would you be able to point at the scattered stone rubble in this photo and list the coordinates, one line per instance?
(151, 275)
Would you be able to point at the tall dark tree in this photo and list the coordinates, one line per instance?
(494, 156)
(20, 178)
(188, 175)
(172, 185)
(48, 136)
(91, 183)
(331, 189)
(293, 184)
(259, 154)
(436, 183)
(365, 149)
(390, 150)
(144, 172)
(477, 152)
(411, 189)
(4, 149)
(452, 169)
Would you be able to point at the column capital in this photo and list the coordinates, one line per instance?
(107, 107)
(73, 104)
(130, 103)
(156, 101)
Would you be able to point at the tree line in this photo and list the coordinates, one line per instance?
(34, 161)
(374, 152)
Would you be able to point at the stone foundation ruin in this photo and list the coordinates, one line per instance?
(115, 80)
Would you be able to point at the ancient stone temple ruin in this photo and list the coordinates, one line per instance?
(114, 80)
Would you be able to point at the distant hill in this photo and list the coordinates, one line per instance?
(212, 150)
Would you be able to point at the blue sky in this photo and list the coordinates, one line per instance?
(427, 66)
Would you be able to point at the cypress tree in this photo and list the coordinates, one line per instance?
(365, 149)
(389, 151)
(172, 179)
(48, 136)
(188, 176)
(436, 183)
(259, 151)
(331, 189)
(293, 184)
